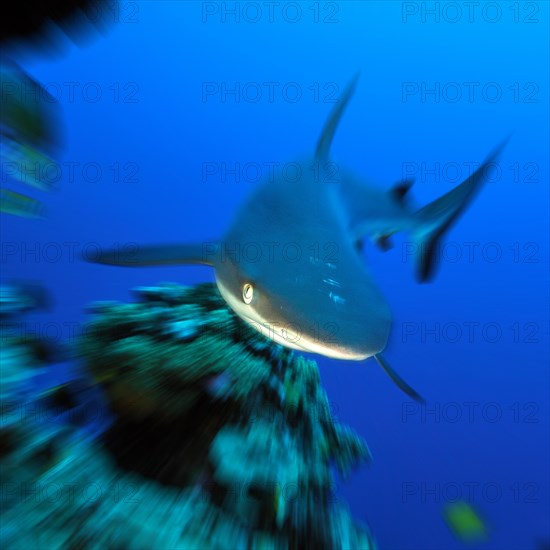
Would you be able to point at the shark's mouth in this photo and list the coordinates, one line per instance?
(317, 346)
(287, 335)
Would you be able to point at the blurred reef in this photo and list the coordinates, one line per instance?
(30, 117)
(43, 25)
(177, 426)
(29, 139)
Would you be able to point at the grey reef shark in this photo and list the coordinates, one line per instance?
(291, 264)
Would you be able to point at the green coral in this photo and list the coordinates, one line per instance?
(221, 439)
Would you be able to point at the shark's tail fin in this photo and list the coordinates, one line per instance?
(436, 218)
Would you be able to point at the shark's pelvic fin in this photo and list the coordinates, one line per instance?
(400, 190)
(384, 243)
(434, 219)
(397, 380)
(134, 255)
(325, 139)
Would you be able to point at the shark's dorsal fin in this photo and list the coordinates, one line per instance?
(325, 139)
(134, 255)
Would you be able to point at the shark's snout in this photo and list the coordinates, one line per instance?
(339, 338)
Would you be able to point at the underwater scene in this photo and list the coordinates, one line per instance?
(274, 275)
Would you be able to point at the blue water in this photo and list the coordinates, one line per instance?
(149, 112)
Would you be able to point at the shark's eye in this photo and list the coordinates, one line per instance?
(248, 293)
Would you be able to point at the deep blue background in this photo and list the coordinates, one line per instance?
(168, 52)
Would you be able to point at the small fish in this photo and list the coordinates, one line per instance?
(465, 522)
(320, 297)
(26, 165)
(21, 205)
(29, 113)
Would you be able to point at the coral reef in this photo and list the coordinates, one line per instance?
(29, 134)
(216, 438)
(30, 118)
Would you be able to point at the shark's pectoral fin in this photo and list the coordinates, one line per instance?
(432, 221)
(134, 255)
(397, 380)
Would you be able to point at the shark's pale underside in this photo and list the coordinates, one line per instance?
(291, 264)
